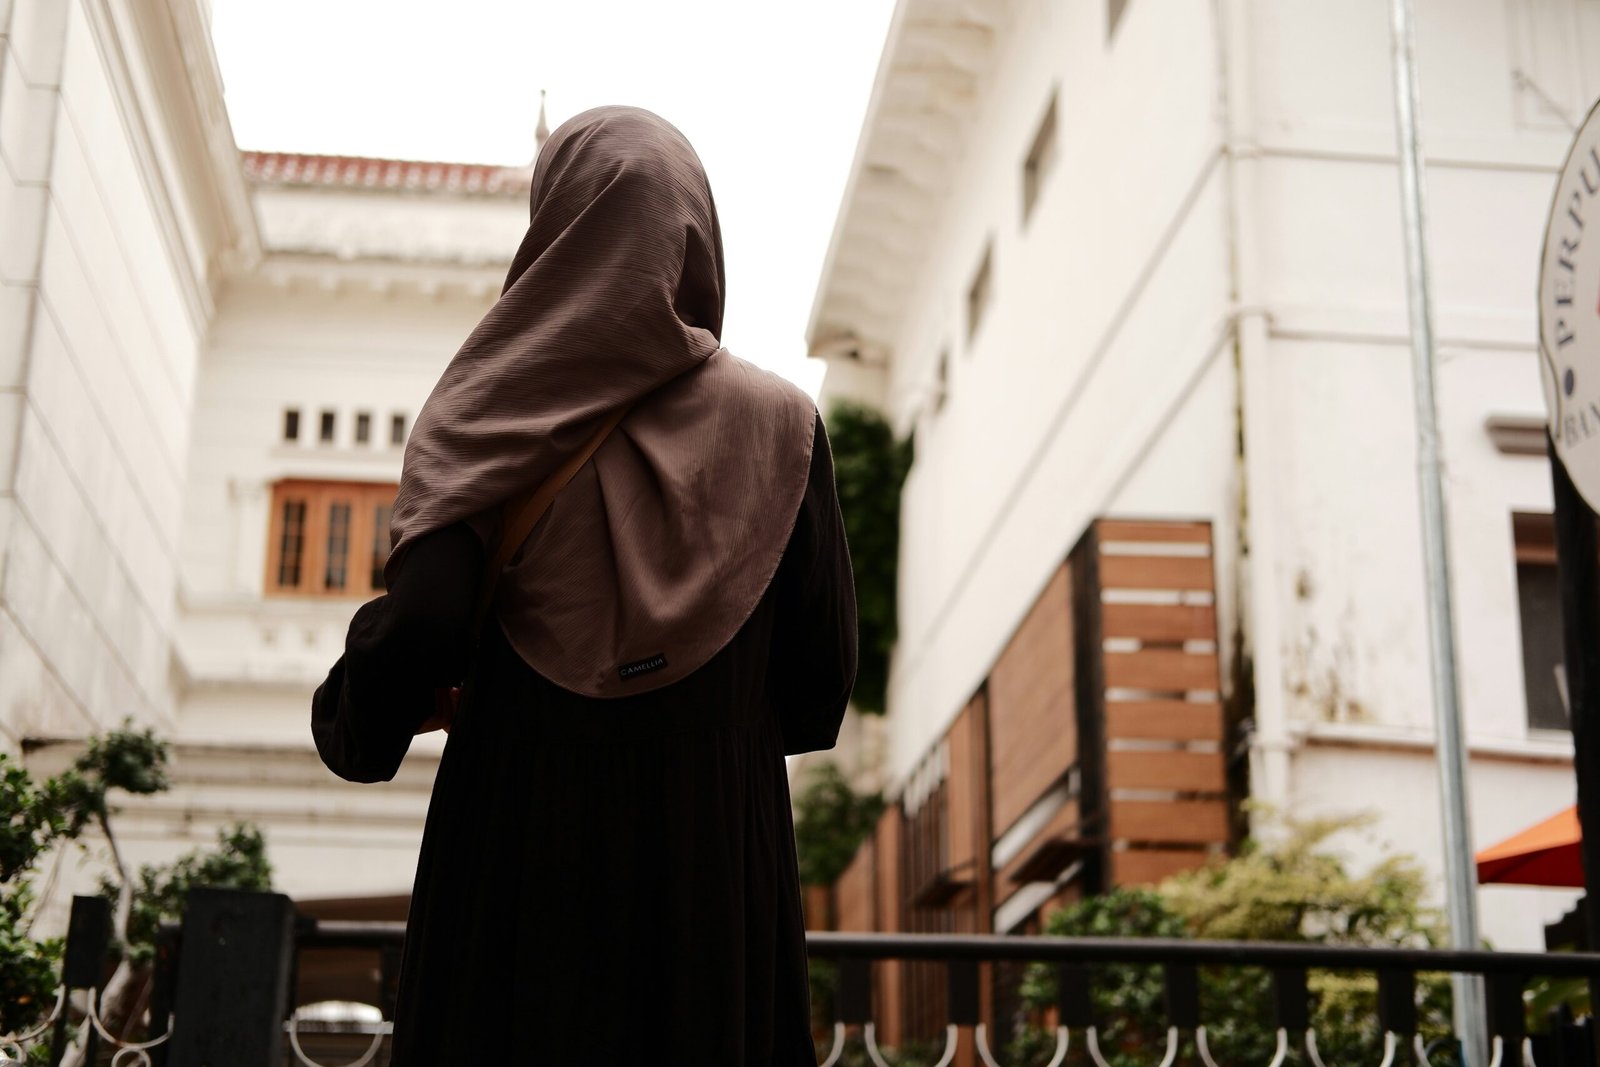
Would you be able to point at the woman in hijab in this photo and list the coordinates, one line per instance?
(607, 871)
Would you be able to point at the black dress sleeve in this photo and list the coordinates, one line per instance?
(400, 648)
(813, 664)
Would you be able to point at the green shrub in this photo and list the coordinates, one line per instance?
(830, 822)
(870, 467)
(1295, 889)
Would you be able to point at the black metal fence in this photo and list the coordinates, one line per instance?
(224, 982)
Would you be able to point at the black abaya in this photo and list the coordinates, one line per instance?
(602, 881)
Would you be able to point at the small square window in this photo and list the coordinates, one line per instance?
(363, 427)
(1041, 157)
(291, 424)
(325, 428)
(397, 430)
(978, 292)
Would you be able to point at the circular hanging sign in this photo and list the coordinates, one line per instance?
(1569, 311)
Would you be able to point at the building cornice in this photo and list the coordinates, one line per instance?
(159, 59)
(335, 277)
(203, 114)
(394, 176)
(936, 62)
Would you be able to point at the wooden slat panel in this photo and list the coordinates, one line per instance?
(887, 840)
(853, 893)
(1070, 894)
(888, 1000)
(1199, 822)
(1146, 866)
(1162, 670)
(1063, 823)
(889, 975)
(1155, 572)
(1181, 772)
(1163, 720)
(965, 798)
(1032, 722)
(977, 715)
(1159, 623)
(817, 903)
(1169, 532)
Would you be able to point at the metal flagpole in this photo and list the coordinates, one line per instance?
(1460, 872)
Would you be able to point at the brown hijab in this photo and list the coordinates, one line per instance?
(658, 550)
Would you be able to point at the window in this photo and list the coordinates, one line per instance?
(1114, 12)
(1539, 605)
(291, 424)
(363, 427)
(379, 551)
(978, 292)
(1552, 49)
(325, 429)
(328, 538)
(291, 541)
(941, 382)
(1041, 156)
(397, 430)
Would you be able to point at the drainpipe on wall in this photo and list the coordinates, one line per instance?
(1258, 618)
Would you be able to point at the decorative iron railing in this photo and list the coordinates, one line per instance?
(1506, 975)
(224, 984)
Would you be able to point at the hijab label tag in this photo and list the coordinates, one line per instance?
(644, 666)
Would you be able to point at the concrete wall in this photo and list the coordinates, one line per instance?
(1109, 304)
(104, 308)
(1217, 258)
(1337, 429)
(251, 662)
(316, 335)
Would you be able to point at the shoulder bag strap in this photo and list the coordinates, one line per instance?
(521, 514)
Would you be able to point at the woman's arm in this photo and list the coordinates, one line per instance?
(400, 649)
(814, 638)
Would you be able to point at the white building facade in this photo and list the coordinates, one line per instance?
(195, 342)
(1142, 259)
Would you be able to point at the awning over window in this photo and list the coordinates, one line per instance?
(1544, 854)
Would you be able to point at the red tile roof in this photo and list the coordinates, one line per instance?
(356, 172)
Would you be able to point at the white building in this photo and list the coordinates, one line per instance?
(1142, 259)
(195, 344)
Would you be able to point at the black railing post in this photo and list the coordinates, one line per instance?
(1182, 994)
(1291, 999)
(1397, 1002)
(1073, 1000)
(389, 978)
(233, 984)
(853, 1001)
(963, 992)
(83, 966)
(1574, 1043)
(163, 988)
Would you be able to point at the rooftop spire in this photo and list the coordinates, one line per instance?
(541, 133)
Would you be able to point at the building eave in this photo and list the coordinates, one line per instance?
(936, 62)
(163, 69)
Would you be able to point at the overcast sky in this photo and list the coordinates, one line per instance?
(772, 96)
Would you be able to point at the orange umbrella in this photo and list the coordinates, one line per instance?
(1546, 854)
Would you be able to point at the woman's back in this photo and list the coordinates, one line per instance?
(607, 872)
(612, 880)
